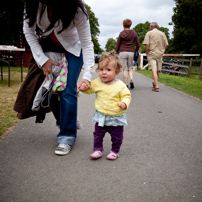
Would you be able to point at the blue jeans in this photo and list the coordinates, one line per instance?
(65, 110)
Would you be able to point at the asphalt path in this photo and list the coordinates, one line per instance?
(160, 159)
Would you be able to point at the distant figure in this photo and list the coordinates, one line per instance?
(126, 49)
(155, 42)
(112, 100)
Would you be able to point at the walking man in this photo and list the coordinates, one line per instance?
(155, 42)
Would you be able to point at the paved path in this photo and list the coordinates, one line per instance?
(160, 159)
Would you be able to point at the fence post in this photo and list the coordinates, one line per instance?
(190, 65)
(200, 69)
(140, 62)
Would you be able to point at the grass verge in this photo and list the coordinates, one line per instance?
(191, 86)
(8, 117)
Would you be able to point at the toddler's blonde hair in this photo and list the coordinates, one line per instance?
(111, 56)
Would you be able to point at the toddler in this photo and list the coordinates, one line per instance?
(112, 100)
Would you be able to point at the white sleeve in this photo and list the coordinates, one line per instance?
(32, 40)
(83, 27)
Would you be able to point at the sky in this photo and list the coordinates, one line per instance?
(111, 13)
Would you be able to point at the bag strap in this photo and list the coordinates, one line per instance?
(135, 39)
(135, 34)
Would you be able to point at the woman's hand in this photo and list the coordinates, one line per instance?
(84, 85)
(47, 67)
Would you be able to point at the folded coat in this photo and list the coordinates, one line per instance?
(27, 93)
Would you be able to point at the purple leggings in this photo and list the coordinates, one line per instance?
(116, 133)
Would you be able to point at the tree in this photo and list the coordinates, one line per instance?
(142, 28)
(187, 20)
(11, 17)
(11, 20)
(94, 28)
(111, 44)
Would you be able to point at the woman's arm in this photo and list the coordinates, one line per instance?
(33, 41)
(118, 44)
(83, 28)
(137, 43)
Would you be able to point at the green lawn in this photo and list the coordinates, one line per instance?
(191, 86)
(8, 117)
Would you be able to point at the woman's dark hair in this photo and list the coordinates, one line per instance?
(63, 10)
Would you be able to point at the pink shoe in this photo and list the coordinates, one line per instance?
(112, 156)
(96, 154)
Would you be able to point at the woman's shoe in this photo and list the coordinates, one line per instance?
(131, 84)
(96, 155)
(112, 156)
(63, 149)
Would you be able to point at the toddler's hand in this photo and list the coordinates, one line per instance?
(83, 87)
(122, 105)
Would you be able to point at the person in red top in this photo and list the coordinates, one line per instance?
(125, 47)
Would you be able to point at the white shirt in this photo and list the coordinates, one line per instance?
(75, 37)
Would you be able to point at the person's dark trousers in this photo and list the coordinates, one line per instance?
(116, 133)
(65, 110)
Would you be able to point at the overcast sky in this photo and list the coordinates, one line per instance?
(111, 13)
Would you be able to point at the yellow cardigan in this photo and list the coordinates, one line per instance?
(107, 96)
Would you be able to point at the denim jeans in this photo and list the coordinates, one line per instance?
(65, 110)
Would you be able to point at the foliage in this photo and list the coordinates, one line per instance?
(11, 16)
(94, 28)
(11, 19)
(142, 28)
(111, 44)
(187, 20)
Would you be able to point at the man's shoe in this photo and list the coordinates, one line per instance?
(63, 149)
(131, 84)
(155, 89)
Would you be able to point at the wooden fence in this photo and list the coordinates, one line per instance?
(191, 66)
(186, 64)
